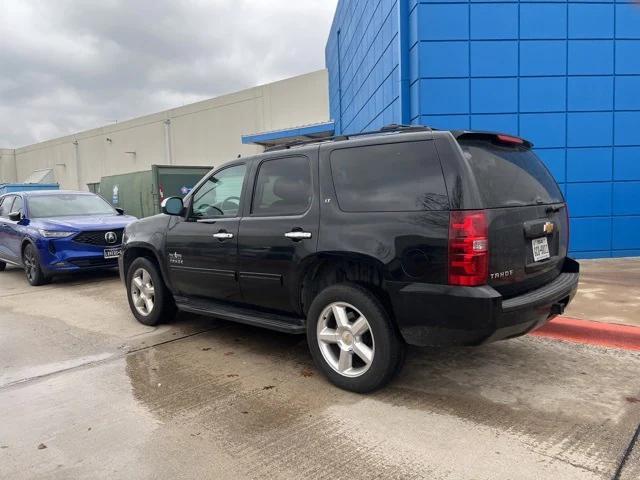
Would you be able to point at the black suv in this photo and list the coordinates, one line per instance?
(365, 243)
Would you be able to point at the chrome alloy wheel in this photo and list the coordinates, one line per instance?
(345, 339)
(142, 291)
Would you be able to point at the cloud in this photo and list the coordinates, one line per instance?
(72, 65)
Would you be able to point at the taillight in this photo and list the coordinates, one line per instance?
(468, 248)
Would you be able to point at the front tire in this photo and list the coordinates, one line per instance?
(32, 268)
(149, 299)
(352, 339)
(2, 266)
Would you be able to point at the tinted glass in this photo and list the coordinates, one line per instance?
(389, 178)
(220, 195)
(5, 206)
(283, 187)
(510, 176)
(17, 205)
(63, 205)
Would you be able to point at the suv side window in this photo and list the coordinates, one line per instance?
(283, 187)
(17, 205)
(5, 205)
(220, 195)
(394, 177)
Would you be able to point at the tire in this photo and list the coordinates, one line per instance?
(149, 299)
(2, 266)
(32, 267)
(329, 338)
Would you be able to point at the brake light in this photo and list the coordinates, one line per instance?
(468, 248)
(510, 139)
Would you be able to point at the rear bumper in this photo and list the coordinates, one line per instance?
(443, 315)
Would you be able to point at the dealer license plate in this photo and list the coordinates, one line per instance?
(540, 249)
(112, 252)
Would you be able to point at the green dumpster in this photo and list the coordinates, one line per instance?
(141, 193)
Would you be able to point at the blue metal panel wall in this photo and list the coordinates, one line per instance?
(363, 58)
(564, 74)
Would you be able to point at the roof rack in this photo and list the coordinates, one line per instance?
(392, 128)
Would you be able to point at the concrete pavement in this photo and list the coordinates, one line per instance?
(86, 392)
(609, 291)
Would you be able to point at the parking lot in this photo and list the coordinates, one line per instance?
(87, 392)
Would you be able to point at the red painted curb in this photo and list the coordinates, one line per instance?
(612, 335)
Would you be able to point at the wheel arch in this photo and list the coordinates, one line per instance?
(329, 268)
(26, 241)
(141, 250)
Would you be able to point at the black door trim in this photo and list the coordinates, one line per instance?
(206, 271)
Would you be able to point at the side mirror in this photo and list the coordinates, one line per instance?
(15, 216)
(120, 211)
(172, 206)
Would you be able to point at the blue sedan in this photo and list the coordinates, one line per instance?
(56, 232)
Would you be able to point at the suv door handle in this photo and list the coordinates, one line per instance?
(223, 235)
(298, 235)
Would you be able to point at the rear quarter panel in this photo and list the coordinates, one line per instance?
(410, 246)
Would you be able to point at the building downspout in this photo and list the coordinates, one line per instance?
(167, 142)
(76, 154)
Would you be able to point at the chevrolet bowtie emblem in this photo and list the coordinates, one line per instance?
(548, 228)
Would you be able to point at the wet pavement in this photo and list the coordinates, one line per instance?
(86, 392)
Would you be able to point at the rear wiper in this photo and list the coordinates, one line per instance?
(555, 208)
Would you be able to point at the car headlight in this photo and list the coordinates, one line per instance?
(54, 234)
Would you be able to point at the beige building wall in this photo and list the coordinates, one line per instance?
(204, 133)
(7, 165)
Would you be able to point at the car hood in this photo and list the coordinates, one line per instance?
(83, 222)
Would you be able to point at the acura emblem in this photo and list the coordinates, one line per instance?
(111, 237)
(548, 228)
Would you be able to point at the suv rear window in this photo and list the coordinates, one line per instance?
(509, 176)
(394, 177)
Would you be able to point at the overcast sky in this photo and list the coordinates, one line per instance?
(72, 65)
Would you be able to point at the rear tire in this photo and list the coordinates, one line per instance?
(2, 266)
(352, 338)
(149, 299)
(32, 268)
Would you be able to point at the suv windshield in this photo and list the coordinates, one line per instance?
(43, 206)
(509, 176)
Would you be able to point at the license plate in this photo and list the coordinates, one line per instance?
(112, 252)
(540, 249)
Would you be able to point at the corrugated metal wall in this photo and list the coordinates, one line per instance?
(363, 62)
(564, 74)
